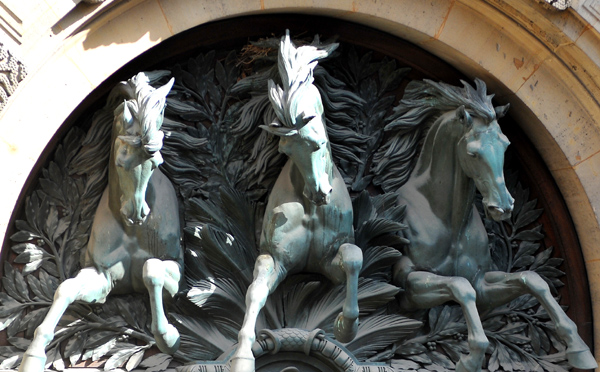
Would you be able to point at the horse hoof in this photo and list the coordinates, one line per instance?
(33, 363)
(239, 364)
(582, 359)
(345, 329)
(168, 342)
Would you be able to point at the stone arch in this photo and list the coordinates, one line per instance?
(543, 63)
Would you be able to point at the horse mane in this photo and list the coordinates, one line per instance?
(264, 159)
(296, 67)
(143, 104)
(92, 159)
(423, 103)
(429, 99)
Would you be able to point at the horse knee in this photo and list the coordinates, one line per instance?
(352, 258)
(246, 335)
(264, 265)
(154, 273)
(43, 335)
(462, 290)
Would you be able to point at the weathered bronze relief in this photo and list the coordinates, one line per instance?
(134, 242)
(307, 226)
(318, 211)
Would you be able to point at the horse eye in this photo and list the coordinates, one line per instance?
(319, 145)
(472, 154)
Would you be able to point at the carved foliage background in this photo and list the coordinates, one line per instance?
(223, 166)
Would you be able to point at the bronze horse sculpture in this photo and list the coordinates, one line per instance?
(448, 257)
(134, 244)
(308, 220)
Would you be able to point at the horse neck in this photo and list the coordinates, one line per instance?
(440, 178)
(297, 179)
(114, 190)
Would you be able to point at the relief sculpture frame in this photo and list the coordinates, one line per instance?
(214, 75)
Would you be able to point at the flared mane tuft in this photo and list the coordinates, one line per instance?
(428, 99)
(296, 67)
(143, 105)
(423, 103)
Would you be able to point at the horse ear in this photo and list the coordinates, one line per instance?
(129, 110)
(463, 116)
(165, 89)
(501, 111)
(159, 96)
(158, 100)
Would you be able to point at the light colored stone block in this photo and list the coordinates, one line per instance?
(103, 49)
(185, 14)
(571, 122)
(61, 7)
(588, 43)
(539, 136)
(573, 189)
(588, 172)
(417, 21)
(508, 53)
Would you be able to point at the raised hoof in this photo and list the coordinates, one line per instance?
(168, 342)
(239, 364)
(32, 363)
(582, 359)
(344, 329)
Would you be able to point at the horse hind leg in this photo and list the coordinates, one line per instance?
(88, 285)
(500, 287)
(425, 290)
(159, 277)
(266, 279)
(349, 260)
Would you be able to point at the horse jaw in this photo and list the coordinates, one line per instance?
(497, 213)
(499, 208)
(133, 185)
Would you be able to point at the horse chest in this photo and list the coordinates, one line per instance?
(436, 246)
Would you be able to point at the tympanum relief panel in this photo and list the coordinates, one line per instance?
(289, 205)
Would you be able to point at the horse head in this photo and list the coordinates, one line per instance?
(309, 149)
(300, 122)
(481, 157)
(136, 149)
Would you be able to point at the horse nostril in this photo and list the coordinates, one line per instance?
(495, 209)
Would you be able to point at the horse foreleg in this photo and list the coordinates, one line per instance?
(88, 285)
(160, 276)
(349, 259)
(265, 280)
(426, 290)
(500, 287)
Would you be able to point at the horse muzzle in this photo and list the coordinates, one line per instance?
(498, 213)
(134, 216)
